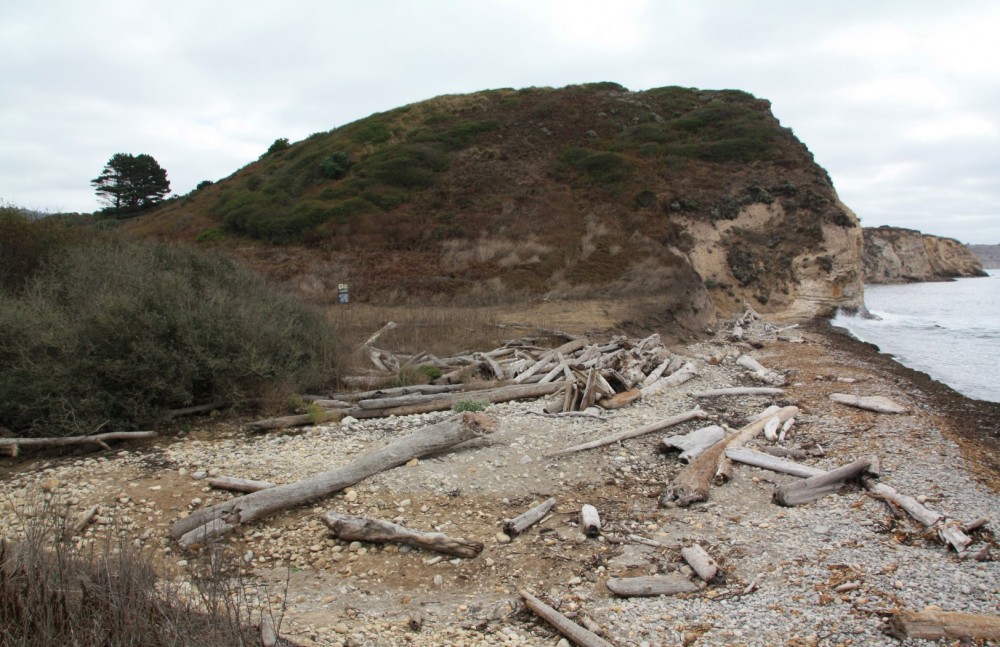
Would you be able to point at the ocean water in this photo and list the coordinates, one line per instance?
(949, 330)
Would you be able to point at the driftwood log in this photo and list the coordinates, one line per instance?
(223, 517)
(700, 561)
(352, 528)
(590, 520)
(935, 624)
(678, 377)
(738, 390)
(238, 485)
(692, 483)
(768, 462)
(765, 375)
(692, 414)
(876, 403)
(523, 521)
(562, 624)
(693, 444)
(818, 486)
(652, 585)
(12, 446)
(622, 399)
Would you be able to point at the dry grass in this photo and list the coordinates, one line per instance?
(108, 594)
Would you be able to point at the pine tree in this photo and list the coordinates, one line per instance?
(131, 183)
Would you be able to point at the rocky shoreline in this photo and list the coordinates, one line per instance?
(826, 573)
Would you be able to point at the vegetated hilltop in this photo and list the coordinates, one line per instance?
(898, 255)
(692, 200)
(989, 255)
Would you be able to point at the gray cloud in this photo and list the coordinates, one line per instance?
(898, 100)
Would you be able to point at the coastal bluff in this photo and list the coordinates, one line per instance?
(898, 255)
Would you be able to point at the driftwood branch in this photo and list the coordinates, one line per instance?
(562, 624)
(590, 520)
(12, 446)
(523, 521)
(700, 561)
(678, 377)
(221, 518)
(693, 414)
(351, 528)
(738, 390)
(238, 485)
(815, 487)
(935, 624)
(768, 462)
(693, 444)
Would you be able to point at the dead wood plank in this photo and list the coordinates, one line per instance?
(693, 414)
(562, 624)
(650, 585)
(935, 624)
(525, 520)
(13, 445)
(820, 485)
(692, 444)
(768, 462)
(876, 403)
(691, 484)
(738, 390)
(352, 528)
(223, 517)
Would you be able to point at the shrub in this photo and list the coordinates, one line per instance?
(601, 166)
(204, 184)
(470, 405)
(115, 333)
(25, 244)
(211, 235)
(410, 166)
(279, 145)
(335, 166)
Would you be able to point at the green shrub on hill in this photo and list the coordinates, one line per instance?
(114, 334)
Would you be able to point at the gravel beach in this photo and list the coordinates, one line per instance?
(829, 572)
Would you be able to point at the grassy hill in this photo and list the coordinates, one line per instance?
(501, 195)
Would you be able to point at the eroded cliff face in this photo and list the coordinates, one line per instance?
(897, 255)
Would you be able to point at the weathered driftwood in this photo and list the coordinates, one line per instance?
(766, 413)
(590, 520)
(935, 624)
(692, 483)
(771, 428)
(949, 532)
(620, 400)
(763, 374)
(525, 520)
(815, 487)
(12, 446)
(84, 520)
(693, 414)
(221, 518)
(678, 377)
(691, 445)
(876, 403)
(768, 462)
(738, 390)
(562, 624)
(798, 454)
(652, 585)
(237, 484)
(700, 561)
(445, 402)
(196, 409)
(352, 528)
(299, 420)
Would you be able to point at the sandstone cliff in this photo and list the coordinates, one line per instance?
(897, 255)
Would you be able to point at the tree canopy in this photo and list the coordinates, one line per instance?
(131, 183)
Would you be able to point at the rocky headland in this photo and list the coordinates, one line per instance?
(898, 255)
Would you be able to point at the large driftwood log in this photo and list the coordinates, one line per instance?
(563, 625)
(695, 443)
(948, 532)
(700, 561)
(221, 518)
(875, 403)
(620, 400)
(652, 585)
(935, 624)
(738, 390)
(352, 528)
(443, 403)
(297, 420)
(525, 520)
(693, 414)
(815, 487)
(692, 483)
(12, 446)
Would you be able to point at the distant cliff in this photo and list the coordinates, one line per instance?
(897, 255)
(989, 255)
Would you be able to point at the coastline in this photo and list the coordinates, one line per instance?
(338, 594)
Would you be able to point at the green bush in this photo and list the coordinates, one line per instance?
(469, 405)
(211, 235)
(601, 166)
(279, 145)
(410, 166)
(114, 333)
(26, 243)
(335, 166)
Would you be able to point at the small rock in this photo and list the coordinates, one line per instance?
(438, 580)
(351, 496)
(503, 538)
(199, 475)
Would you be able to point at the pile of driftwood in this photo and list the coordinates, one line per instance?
(575, 376)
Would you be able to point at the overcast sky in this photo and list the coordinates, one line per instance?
(899, 101)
